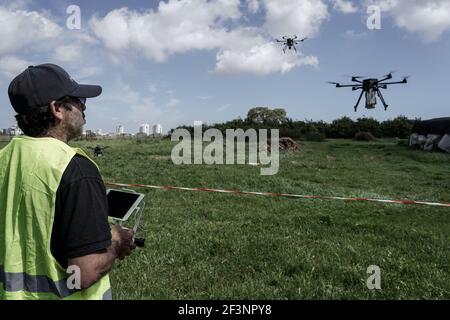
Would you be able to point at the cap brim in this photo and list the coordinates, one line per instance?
(87, 91)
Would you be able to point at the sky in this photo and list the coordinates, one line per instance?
(174, 62)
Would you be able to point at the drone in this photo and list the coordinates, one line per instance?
(290, 43)
(371, 87)
(98, 151)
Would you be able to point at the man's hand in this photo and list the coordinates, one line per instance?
(96, 265)
(122, 241)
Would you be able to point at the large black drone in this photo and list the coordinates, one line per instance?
(372, 88)
(98, 150)
(290, 43)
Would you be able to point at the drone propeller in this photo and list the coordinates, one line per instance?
(332, 82)
(354, 78)
(389, 75)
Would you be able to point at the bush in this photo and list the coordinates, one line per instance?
(364, 136)
(399, 127)
(295, 134)
(314, 136)
(342, 128)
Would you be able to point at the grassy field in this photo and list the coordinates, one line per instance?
(218, 246)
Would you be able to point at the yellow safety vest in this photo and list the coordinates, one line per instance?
(30, 172)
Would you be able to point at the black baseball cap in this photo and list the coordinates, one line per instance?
(39, 85)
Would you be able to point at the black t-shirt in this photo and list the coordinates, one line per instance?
(81, 215)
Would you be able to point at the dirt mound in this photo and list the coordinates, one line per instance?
(287, 144)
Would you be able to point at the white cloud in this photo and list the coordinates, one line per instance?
(261, 59)
(169, 30)
(22, 29)
(156, 34)
(68, 53)
(11, 66)
(430, 18)
(345, 6)
(288, 17)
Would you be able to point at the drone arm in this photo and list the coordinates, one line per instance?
(398, 82)
(387, 78)
(345, 85)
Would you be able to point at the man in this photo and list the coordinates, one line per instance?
(53, 205)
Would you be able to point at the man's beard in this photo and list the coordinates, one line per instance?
(74, 129)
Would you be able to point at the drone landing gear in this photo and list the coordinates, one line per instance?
(359, 100)
(382, 100)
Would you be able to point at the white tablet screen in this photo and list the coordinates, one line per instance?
(119, 203)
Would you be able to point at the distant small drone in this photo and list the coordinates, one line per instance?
(290, 43)
(371, 87)
(98, 151)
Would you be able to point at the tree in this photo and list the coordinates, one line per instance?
(264, 115)
(368, 125)
(343, 128)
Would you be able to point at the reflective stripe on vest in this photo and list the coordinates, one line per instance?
(15, 281)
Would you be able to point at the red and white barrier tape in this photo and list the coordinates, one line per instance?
(270, 194)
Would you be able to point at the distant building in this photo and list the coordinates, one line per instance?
(14, 131)
(99, 132)
(157, 129)
(120, 129)
(144, 129)
(90, 135)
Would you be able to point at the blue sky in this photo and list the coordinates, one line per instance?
(175, 62)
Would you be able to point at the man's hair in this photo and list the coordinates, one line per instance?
(38, 122)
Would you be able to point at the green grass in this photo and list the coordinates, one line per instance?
(218, 246)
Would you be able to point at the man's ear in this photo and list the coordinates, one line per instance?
(56, 110)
